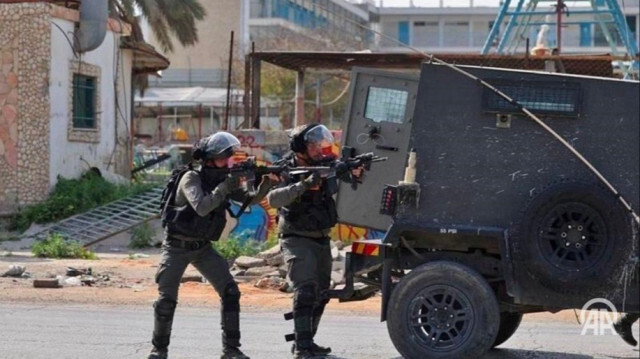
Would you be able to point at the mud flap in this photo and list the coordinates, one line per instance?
(365, 257)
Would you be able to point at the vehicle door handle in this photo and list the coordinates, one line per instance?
(386, 148)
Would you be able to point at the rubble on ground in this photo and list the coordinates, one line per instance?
(269, 269)
(15, 271)
(73, 277)
(249, 262)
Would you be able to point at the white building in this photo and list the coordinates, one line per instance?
(62, 111)
(444, 29)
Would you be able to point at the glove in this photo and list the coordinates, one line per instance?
(230, 184)
(312, 181)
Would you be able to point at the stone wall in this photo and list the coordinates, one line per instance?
(25, 51)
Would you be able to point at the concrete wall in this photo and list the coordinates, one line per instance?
(73, 151)
(25, 38)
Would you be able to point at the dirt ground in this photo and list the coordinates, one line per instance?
(130, 282)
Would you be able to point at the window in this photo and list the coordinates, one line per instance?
(599, 38)
(456, 34)
(585, 34)
(386, 105)
(426, 34)
(631, 22)
(403, 32)
(84, 101)
(543, 97)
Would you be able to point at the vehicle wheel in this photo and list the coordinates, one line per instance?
(573, 237)
(443, 310)
(509, 323)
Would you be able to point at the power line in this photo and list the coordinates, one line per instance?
(524, 110)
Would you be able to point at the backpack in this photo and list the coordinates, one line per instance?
(171, 188)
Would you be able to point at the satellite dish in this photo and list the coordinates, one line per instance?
(93, 25)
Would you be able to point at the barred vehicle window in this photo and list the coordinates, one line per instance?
(541, 97)
(386, 105)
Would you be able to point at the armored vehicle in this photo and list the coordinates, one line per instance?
(500, 218)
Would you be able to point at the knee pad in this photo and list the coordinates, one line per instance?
(305, 296)
(165, 308)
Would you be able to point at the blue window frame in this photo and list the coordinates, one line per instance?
(585, 34)
(403, 32)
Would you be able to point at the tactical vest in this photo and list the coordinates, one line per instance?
(185, 221)
(314, 210)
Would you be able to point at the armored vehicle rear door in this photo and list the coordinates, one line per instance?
(380, 113)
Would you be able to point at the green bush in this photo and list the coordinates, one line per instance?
(241, 245)
(57, 247)
(232, 247)
(272, 240)
(141, 236)
(73, 196)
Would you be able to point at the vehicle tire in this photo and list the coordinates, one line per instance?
(443, 310)
(509, 323)
(573, 238)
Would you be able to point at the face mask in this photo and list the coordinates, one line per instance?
(212, 176)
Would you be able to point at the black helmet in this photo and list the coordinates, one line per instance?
(302, 136)
(219, 145)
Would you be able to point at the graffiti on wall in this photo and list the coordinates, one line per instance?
(259, 221)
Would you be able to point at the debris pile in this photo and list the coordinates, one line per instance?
(270, 270)
(74, 277)
(16, 271)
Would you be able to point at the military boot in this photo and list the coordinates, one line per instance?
(320, 350)
(623, 328)
(315, 349)
(158, 353)
(305, 354)
(317, 315)
(232, 353)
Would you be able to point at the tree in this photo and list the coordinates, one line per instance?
(168, 19)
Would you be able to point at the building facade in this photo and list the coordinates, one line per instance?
(271, 25)
(465, 29)
(61, 112)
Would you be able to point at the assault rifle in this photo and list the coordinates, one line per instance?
(330, 169)
(337, 168)
(251, 171)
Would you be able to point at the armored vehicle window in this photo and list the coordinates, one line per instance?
(386, 105)
(542, 97)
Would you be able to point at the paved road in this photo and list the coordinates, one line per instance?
(99, 332)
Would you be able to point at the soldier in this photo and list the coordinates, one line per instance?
(195, 215)
(623, 328)
(307, 212)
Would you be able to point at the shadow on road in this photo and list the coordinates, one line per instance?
(531, 354)
(515, 354)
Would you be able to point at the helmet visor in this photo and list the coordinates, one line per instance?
(221, 145)
(319, 137)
